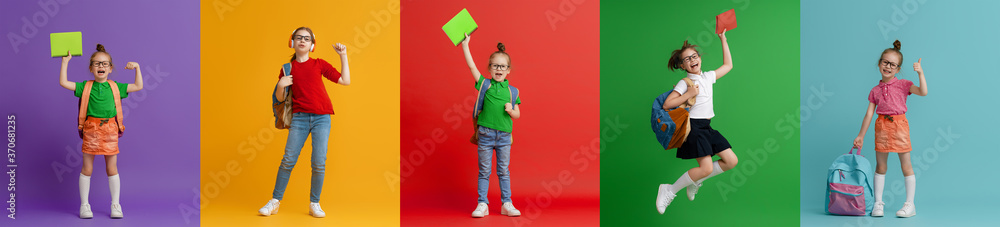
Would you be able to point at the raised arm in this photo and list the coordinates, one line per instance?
(860, 140)
(138, 77)
(62, 73)
(920, 90)
(727, 58)
(468, 58)
(345, 70)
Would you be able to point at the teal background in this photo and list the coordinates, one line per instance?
(841, 42)
(754, 103)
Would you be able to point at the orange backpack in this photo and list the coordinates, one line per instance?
(85, 99)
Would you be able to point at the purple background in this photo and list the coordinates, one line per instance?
(159, 159)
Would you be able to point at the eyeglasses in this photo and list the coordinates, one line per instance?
(499, 67)
(691, 58)
(100, 64)
(891, 65)
(304, 38)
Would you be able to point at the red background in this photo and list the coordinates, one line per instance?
(557, 70)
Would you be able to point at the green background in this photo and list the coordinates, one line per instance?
(755, 103)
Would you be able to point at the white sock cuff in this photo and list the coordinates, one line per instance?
(84, 177)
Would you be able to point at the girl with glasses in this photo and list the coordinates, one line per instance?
(311, 110)
(703, 141)
(494, 126)
(100, 129)
(892, 130)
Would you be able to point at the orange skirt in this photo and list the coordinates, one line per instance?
(892, 134)
(100, 136)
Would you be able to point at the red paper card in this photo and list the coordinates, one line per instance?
(725, 21)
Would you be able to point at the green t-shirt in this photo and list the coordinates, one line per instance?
(494, 116)
(102, 100)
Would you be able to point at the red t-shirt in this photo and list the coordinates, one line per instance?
(308, 93)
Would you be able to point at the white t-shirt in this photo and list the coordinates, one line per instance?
(703, 107)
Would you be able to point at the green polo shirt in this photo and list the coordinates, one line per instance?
(494, 116)
(102, 100)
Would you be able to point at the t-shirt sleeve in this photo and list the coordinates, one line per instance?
(681, 87)
(78, 92)
(281, 73)
(480, 81)
(907, 86)
(871, 96)
(122, 89)
(329, 71)
(518, 100)
(710, 77)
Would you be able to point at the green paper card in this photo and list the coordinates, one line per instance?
(458, 26)
(66, 41)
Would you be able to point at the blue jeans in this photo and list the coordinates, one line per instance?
(302, 125)
(490, 140)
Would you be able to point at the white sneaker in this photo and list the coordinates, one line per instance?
(693, 189)
(316, 211)
(85, 212)
(908, 210)
(270, 208)
(663, 198)
(116, 211)
(878, 210)
(481, 210)
(509, 210)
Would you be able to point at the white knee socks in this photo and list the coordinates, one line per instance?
(716, 170)
(681, 182)
(911, 187)
(84, 189)
(879, 186)
(115, 183)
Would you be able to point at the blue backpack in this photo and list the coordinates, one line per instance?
(671, 126)
(849, 188)
(483, 87)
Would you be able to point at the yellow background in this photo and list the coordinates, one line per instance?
(243, 46)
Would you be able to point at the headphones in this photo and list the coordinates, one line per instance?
(291, 41)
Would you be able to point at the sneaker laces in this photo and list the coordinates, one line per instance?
(316, 207)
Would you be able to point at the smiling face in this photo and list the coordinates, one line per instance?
(499, 66)
(888, 65)
(299, 42)
(690, 61)
(100, 66)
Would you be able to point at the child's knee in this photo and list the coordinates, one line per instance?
(705, 169)
(880, 169)
(733, 161)
(87, 171)
(112, 171)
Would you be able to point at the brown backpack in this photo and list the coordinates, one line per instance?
(283, 110)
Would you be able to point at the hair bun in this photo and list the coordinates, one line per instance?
(100, 48)
(500, 47)
(896, 45)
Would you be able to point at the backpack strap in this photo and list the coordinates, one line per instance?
(84, 100)
(513, 94)
(483, 87)
(118, 105)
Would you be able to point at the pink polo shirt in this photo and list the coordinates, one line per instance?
(890, 98)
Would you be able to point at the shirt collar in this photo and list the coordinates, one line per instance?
(891, 81)
(694, 76)
(502, 84)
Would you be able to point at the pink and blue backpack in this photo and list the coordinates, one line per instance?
(849, 187)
